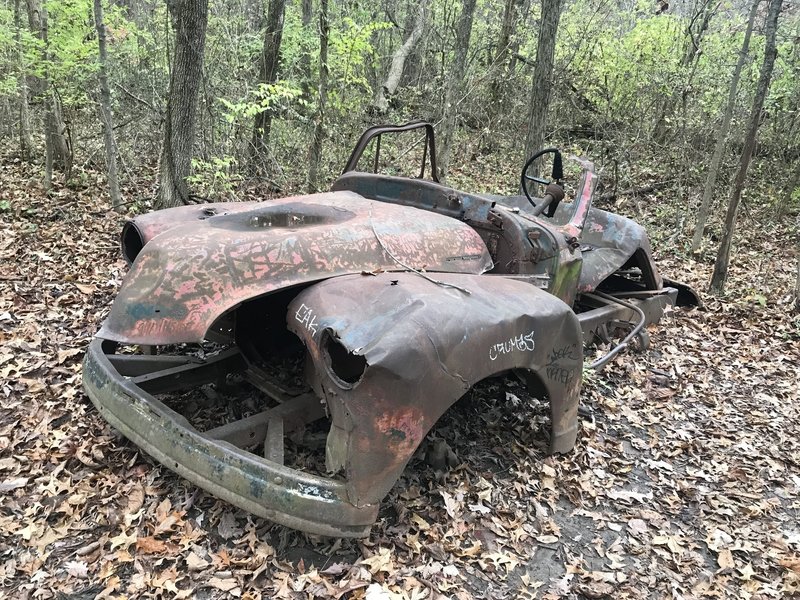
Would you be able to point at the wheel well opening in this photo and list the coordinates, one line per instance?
(635, 275)
(260, 329)
(498, 415)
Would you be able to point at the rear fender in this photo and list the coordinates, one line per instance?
(391, 353)
(137, 232)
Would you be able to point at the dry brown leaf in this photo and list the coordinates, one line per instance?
(725, 559)
(151, 545)
(225, 585)
(195, 563)
(87, 289)
(793, 564)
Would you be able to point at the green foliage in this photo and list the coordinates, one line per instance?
(216, 177)
(630, 63)
(618, 68)
(350, 53)
(280, 95)
(10, 67)
(72, 53)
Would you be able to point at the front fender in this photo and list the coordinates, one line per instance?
(391, 353)
(188, 276)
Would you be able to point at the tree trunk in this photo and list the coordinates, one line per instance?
(797, 288)
(270, 58)
(34, 10)
(305, 60)
(503, 45)
(513, 50)
(723, 256)
(189, 19)
(399, 57)
(542, 76)
(315, 150)
(105, 108)
(62, 148)
(57, 150)
(783, 206)
(722, 133)
(455, 86)
(25, 139)
(37, 16)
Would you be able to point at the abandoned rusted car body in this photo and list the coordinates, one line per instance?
(400, 293)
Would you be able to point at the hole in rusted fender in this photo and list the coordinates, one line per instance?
(346, 367)
(285, 219)
(132, 242)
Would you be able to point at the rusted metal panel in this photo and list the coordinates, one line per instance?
(140, 230)
(262, 487)
(189, 275)
(608, 242)
(391, 353)
(419, 193)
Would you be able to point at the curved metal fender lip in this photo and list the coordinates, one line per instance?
(267, 489)
(188, 276)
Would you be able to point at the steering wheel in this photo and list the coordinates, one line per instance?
(554, 192)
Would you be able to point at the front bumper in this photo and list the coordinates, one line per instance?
(298, 500)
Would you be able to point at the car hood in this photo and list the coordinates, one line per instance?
(188, 275)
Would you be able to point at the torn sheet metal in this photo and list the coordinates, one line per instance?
(392, 353)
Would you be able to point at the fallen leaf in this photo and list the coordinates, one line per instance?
(13, 484)
(637, 526)
(86, 289)
(725, 559)
(227, 526)
(547, 539)
(793, 564)
(224, 585)
(151, 545)
(195, 563)
(77, 568)
(376, 591)
(381, 561)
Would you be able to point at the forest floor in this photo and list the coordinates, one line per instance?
(685, 481)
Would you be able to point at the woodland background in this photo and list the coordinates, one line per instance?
(685, 479)
(191, 100)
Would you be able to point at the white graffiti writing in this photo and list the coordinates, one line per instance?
(306, 317)
(519, 343)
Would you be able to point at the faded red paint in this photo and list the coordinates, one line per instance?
(189, 275)
(425, 345)
(403, 428)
